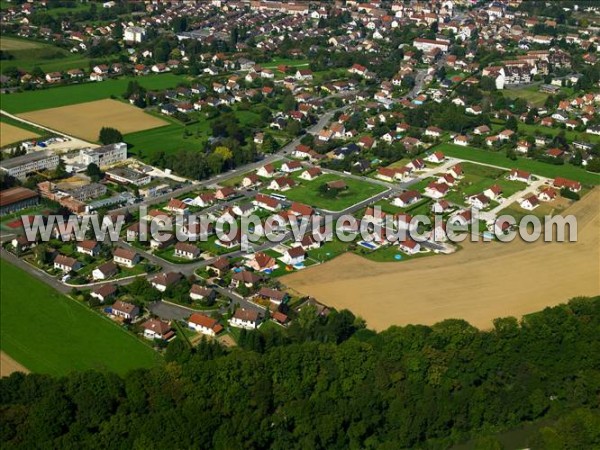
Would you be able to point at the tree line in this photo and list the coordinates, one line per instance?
(328, 382)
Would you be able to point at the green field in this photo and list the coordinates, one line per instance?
(535, 167)
(49, 333)
(531, 95)
(80, 93)
(570, 135)
(27, 54)
(309, 194)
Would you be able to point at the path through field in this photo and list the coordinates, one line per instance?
(479, 283)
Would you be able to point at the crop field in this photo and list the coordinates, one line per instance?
(535, 167)
(10, 134)
(26, 54)
(81, 93)
(308, 193)
(481, 282)
(49, 333)
(86, 119)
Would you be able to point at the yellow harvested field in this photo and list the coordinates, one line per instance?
(9, 365)
(10, 134)
(481, 282)
(85, 120)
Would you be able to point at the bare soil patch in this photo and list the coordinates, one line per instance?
(9, 365)
(9, 134)
(85, 120)
(481, 282)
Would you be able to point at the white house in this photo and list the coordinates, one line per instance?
(105, 271)
(294, 255)
(530, 203)
(409, 247)
(246, 318)
(204, 324)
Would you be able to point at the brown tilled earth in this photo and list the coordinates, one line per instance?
(481, 282)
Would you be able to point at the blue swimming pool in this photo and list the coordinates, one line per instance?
(368, 245)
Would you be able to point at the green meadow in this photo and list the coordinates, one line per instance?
(50, 333)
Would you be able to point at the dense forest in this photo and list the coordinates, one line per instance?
(328, 382)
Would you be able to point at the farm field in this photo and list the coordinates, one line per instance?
(81, 93)
(49, 333)
(536, 167)
(481, 282)
(85, 120)
(27, 54)
(10, 134)
(308, 193)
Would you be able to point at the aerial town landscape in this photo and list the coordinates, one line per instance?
(323, 217)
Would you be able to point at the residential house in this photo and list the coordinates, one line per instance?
(158, 329)
(273, 295)
(165, 279)
(530, 203)
(262, 262)
(125, 310)
(246, 318)
(104, 292)
(311, 173)
(198, 292)
(66, 264)
(406, 199)
(519, 175)
(204, 324)
(294, 255)
(88, 247)
(560, 183)
(124, 257)
(186, 251)
(105, 271)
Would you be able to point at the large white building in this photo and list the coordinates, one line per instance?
(105, 155)
(21, 166)
(134, 34)
(430, 44)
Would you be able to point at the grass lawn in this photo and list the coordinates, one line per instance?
(569, 134)
(531, 95)
(49, 333)
(388, 254)
(329, 250)
(286, 62)
(309, 194)
(536, 167)
(85, 92)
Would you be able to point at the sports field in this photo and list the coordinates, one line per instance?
(49, 333)
(10, 134)
(85, 92)
(479, 283)
(85, 120)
